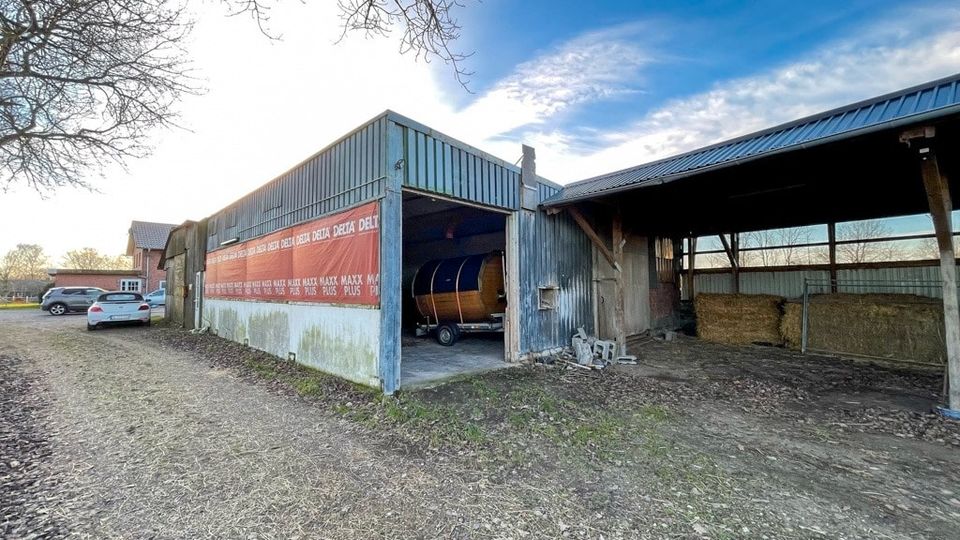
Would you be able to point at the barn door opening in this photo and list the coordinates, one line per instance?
(455, 293)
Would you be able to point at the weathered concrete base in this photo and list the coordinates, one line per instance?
(425, 363)
(342, 341)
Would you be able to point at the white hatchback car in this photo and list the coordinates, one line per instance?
(118, 307)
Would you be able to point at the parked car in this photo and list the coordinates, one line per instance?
(157, 298)
(62, 300)
(118, 307)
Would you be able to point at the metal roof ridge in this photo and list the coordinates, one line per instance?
(807, 120)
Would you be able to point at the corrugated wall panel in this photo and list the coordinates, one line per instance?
(553, 252)
(346, 173)
(919, 280)
(437, 164)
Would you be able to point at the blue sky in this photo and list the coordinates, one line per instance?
(593, 86)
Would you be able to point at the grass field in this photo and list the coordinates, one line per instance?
(19, 306)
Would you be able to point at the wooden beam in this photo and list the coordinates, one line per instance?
(832, 249)
(938, 197)
(732, 249)
(693, 266)
(593, 236)
(620, 306)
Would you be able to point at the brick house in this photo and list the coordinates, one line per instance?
(145, 244)
(111, 280)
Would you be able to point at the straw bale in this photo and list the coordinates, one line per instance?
(892, 326)
(739, 319)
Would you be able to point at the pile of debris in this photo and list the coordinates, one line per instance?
(590, 353)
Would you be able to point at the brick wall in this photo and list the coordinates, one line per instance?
(110, 282)
(152, 259)
(145, 261)
(664, 300)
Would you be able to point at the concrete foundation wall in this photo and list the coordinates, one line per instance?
(343, 341)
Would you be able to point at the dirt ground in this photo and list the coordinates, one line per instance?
(154, 433)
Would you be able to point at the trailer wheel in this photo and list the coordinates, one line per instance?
(447, 334)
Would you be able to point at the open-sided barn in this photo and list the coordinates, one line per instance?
(342, 262)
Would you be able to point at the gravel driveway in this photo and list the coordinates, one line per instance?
(119, 437)
(154, 433)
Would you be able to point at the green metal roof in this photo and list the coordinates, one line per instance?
(927, 101)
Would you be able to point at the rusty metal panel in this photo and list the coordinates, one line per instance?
(435, 163)
(342, 341)
(348, 172)
(554, 252)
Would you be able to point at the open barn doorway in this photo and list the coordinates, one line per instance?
(454, 290)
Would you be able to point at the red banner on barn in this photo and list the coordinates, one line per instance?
(334, 259)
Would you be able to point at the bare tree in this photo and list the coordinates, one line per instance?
(429, 27)
(82, 83)
(778, 247)
(91, 259)
(24, 262)
(859, 250)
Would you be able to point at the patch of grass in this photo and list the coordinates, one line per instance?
(482, 389)
(19, 306)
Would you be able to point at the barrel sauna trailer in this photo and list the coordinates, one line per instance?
(460, 294)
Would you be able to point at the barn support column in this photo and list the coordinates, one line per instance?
(732, 248)
(615, 258)
(938, 197)
(832, 248)
(691, 272)
(619, 240)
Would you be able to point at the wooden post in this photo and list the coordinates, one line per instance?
(693, 265)
(732, 248)
(593, 236)
(619, 307)
(832, 248)
(938, 196)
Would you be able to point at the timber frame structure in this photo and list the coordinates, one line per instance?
(889, 156)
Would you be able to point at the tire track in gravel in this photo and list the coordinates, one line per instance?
(27, 484)
(154, 443)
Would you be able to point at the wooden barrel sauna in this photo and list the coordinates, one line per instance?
(461, 289)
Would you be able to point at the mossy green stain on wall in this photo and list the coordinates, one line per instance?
(229, 325)
(353, 359)
(270, 331)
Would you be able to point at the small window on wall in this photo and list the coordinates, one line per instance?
(665, 263)
(130, 285)
(548, 296)
(163, 284)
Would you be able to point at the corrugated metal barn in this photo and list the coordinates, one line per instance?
(319, 264)
(893, 155)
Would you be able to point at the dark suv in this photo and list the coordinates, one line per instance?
(60, 300)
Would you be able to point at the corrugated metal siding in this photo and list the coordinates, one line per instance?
(347, 173)
(910, 280)
(923, 281)
(942, 95)
(437, 164)
(553, 251)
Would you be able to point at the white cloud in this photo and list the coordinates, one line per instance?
(271, 104)
(591, 67)
(883, 61)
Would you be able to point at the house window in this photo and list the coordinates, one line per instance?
(548, 296)
(130, 285)
(163, 284)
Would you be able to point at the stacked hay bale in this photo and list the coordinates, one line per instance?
(894, 326)
(739, 319)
